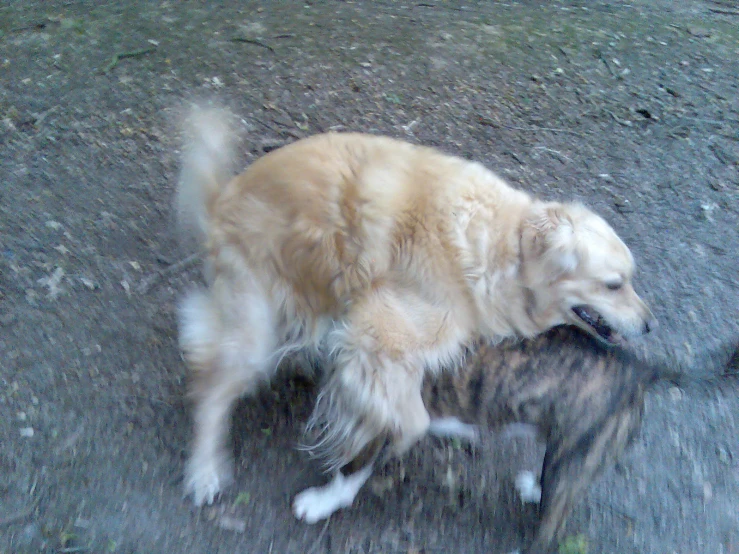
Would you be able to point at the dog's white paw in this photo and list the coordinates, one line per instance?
(314, 504)
(527, 487)
(317, 503)
(204, 480)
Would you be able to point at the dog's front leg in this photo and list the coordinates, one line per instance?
(382, 352)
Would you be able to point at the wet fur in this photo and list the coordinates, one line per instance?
(585, 400)
(386, 258)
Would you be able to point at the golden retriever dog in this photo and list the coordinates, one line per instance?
(383, 257)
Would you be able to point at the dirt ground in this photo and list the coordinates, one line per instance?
(631, 107)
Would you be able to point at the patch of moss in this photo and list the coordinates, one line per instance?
(575, 544)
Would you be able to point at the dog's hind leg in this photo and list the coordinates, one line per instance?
(317, 503)
(228, 342)
(570, 469)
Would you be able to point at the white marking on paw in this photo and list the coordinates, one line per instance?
(453, 427)
(527, 487)
(205, 480)
(317, 503)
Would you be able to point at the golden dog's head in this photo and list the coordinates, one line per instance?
(578, 271)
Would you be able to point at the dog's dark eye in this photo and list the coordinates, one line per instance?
(616, 285)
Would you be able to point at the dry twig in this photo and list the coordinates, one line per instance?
(253, 41)
(123, 55)
(147, 283)
(490, 123)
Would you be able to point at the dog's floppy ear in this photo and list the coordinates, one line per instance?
(548, 238)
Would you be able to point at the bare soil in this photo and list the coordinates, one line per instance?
(631, 107)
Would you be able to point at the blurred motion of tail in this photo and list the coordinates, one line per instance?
(207, 160)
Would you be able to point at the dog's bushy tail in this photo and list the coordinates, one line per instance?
(207, 160)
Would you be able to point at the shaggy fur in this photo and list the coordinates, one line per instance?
(384, 256)
(585, 401)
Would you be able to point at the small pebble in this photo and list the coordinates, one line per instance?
(26, 432)
(623, 204)
(699, 32)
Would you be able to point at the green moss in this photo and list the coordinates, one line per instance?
(575, 544)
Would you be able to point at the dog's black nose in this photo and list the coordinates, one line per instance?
(650, 325)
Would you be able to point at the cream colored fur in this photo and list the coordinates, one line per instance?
(384, 256)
